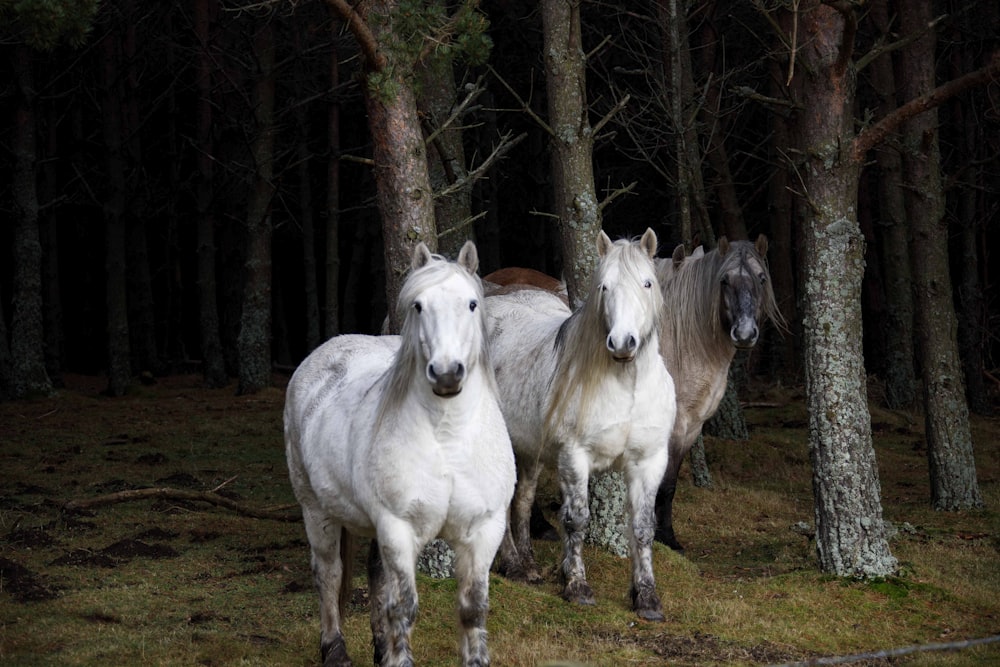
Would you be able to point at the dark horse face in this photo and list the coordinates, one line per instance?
(743, 280)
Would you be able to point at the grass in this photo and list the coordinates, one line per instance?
(178, 583)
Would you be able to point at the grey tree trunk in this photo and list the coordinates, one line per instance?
(949, 439)
(445, 156)
(331, 308)
(27, 343)
(576, 205)
(213, 363)
(850, 534)
(254, 340)
(900, 377)
(119, 362)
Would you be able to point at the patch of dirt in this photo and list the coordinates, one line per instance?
(23, 584)
(116, 554)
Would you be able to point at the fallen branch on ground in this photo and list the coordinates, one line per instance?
(166, 493)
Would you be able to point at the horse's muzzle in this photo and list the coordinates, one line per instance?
(449, 383)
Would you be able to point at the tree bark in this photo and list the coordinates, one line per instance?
(576, 205)
(403, 189)
(331, 307)
(116, 299)
(946, 414)
(893, 236)
(255, 320)
(27, 341)
(850, 533)
(445, 155)
(303, 161)
(213, 363)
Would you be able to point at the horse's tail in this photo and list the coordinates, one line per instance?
(347, 549)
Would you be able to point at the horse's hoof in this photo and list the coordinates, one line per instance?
(579, 592)
(668, 539)
(334, 654)
(654, 615)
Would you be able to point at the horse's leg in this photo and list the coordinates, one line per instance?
(517, 554)
(641, 487)
(392, 578)
(472, 573)
(665, 495)
(574, 472)
(325, 541)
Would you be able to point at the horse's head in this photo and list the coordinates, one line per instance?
(443, 323)
(628, 291)
(745, 289)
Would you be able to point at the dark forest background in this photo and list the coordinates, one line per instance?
(119, 133)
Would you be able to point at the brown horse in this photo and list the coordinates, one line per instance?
(713, 304)
(513, 278)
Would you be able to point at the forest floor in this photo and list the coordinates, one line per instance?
(173, 580)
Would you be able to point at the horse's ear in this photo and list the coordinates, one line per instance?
(648, 242)
(603, 244)
(468, 257)
(697, 252)
(421, 255)
(723, 246)
(761, 245)
(678, 256)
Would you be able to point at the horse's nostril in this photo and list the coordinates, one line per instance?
(632, 343)
(459, 370)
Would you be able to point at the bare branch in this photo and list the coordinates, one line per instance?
(611, 114)
(524, 105)
(628, 189)
(506, 144)
(362, 33)
(877, 133)
(167, 493)
(474, 91)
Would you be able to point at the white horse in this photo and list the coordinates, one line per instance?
(585, 392)
(401, 438)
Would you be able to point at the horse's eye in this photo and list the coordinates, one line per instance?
(604, 288)
(417, 307)
(472, 306)
(763, 278)
(725, 281)
(648, 284)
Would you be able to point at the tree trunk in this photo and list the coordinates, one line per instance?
(305, 203)
(213, 364)
(576, 204)
(331, 302)
(893, 236)
(850, 534)
(52, 323)
(971, 154)
(445, 155)
(27, 339)
(784, 353)
(946, 413)
(119, 357)
(255, 320)
(403, 189)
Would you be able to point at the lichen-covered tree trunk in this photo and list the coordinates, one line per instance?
(572, 143)
(27, 344)
(900, 378)
(946, 413)
(254, 339)
(579, 218)
(850, 533)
